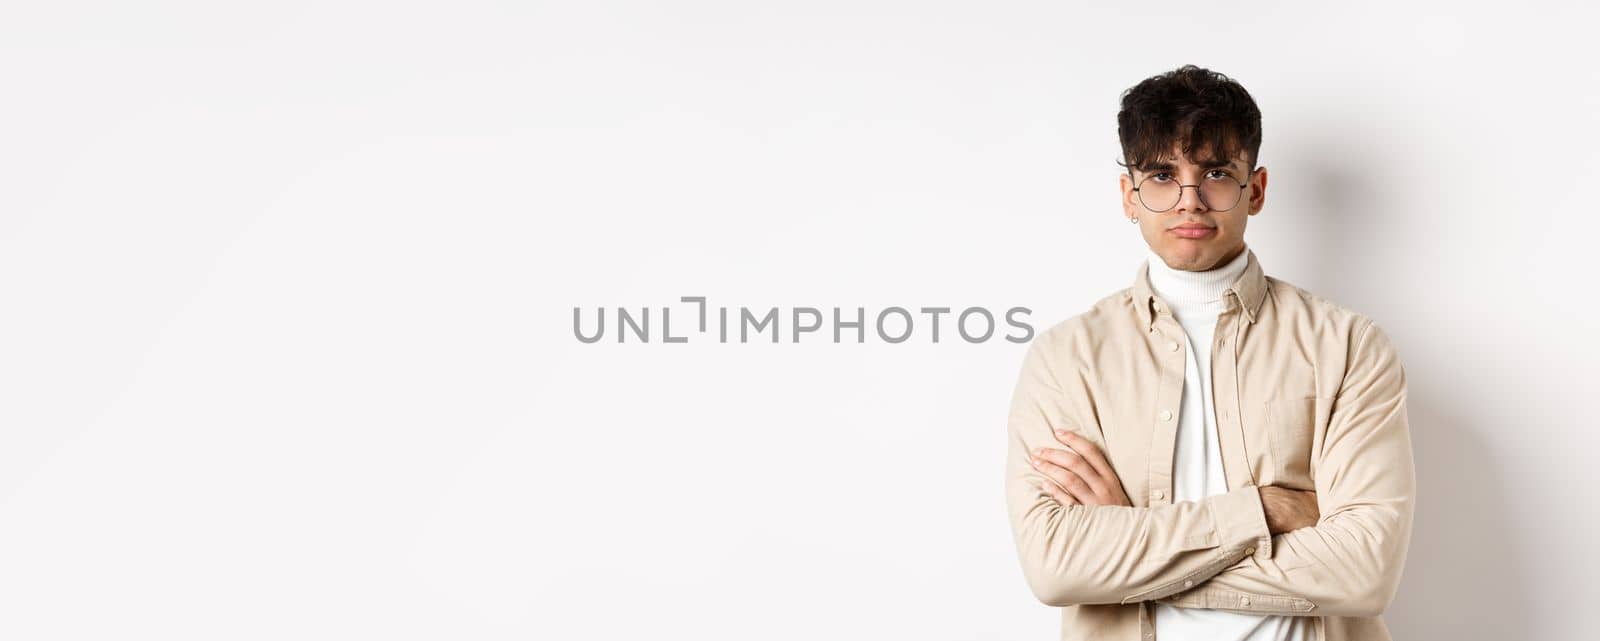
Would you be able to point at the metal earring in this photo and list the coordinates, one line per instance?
(1134, 220)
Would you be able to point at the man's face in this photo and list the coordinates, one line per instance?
(1191, 236)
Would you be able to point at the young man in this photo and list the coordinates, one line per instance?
(1211, 453)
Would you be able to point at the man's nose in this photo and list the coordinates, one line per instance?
(1189, 198)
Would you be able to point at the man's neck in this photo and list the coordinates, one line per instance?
(1179, 286)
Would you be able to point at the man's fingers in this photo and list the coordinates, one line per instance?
(1071, 461)
(1050, 471)
(1089, 451)
(1061, 496)
(1063, 478)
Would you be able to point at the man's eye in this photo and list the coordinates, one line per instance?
(1218, 174)
(1161, 176)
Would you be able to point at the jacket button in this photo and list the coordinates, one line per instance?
(1188, 584)
(1157, 494)
(1172, 346)
(1166, 415)
(1244, 600)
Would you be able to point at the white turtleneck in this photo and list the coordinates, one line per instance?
(1196, 299)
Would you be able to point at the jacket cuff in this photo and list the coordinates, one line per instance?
(1242, 522)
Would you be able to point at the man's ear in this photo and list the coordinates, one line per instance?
(1258, 190)
(1126, 184)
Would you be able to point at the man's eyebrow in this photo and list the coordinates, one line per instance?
(1167, 166)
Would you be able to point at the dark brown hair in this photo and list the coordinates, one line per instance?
(1210, 114)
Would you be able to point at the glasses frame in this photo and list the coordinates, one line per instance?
(1199, 192)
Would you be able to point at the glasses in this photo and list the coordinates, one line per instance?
(1218, 190)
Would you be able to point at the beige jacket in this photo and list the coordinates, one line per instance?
(1308, 395)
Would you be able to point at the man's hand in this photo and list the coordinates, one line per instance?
(1078, 475)
(1288, 509)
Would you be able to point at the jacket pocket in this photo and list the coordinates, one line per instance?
(1291, 429)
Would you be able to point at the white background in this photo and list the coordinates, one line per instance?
(286, 295)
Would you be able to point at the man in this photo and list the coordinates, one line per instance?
(1211, 453)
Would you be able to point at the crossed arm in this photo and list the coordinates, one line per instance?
(1080, 474)
(1221, 552)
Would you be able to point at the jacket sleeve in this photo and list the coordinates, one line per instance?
(1079, 554)
(1349, 563)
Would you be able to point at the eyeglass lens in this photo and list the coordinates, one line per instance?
(1218, 190)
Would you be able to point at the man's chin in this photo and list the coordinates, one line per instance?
(1185, 258)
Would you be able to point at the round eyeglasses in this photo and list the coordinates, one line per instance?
(1218, 190)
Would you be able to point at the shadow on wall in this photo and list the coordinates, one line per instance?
(1464, 577)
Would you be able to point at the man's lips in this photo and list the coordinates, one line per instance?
(1193, 231)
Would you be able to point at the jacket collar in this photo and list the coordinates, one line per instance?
(1250, 289)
